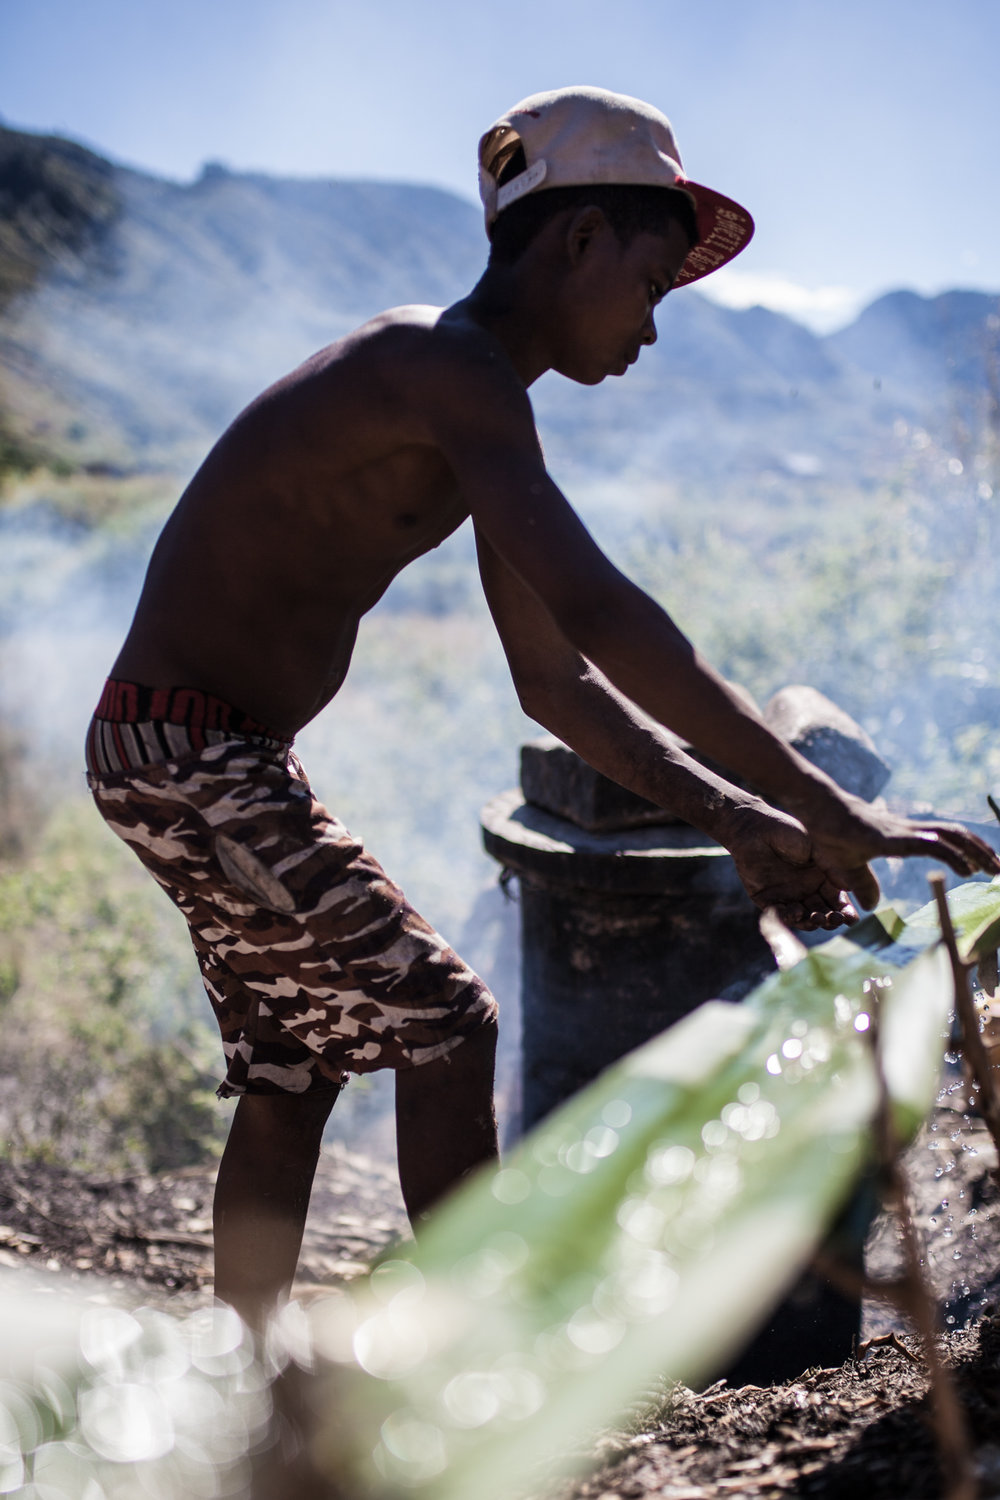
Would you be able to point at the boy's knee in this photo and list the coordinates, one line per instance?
(286, 1116)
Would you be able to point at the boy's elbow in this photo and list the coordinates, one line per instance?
(550, 693)
(534, 694)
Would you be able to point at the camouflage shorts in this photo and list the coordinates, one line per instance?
(313, 960)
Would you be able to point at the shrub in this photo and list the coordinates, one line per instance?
(107, 1062)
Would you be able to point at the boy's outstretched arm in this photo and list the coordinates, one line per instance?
(561, 690)
(484, 427)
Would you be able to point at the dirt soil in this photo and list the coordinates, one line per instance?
(148, 1240)
(862, 1430)
(857, 1430)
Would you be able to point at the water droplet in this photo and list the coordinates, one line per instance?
(126, 1422)
(617, 1113)
(510, 1186)
(601, 1140)
(394, 1277)
(417, 1446)
(592, 1334)
(670, 1164)
(579, 1158)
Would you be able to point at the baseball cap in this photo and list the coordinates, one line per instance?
(575, 136)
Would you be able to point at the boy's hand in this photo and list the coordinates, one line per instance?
(847, 834)
(775, 860)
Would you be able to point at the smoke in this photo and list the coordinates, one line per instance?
(424, 732)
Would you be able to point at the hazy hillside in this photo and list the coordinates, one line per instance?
(56, 198)
(150, 311)
(157, 326)
(943, 351)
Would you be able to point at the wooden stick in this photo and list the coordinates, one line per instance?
(972, 1043)
(914, 1296)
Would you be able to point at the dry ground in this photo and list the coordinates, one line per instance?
(858, 1430)
(148, 1240)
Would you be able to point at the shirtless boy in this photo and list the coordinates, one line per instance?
(365, 457)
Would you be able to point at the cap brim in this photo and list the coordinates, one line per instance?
(724, 229)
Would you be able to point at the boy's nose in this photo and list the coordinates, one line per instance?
(649, 331)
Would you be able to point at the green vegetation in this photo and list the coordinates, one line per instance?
(884, 602)
(109, 507)
(19, 455)
(56, 200)
(108, 1063)
(57, 203)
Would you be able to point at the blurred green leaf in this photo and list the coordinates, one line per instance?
(644, 1230)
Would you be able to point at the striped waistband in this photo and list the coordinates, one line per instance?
(135, 726)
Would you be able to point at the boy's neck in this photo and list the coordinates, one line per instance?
(511, 304)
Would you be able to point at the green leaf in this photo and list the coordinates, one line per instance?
(646, 1228)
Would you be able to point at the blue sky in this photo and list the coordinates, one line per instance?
(863, 135)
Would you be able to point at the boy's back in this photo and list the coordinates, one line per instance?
(303, 513)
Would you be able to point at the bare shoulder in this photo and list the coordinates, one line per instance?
(438, 353)
(414, 377)
(451, 384)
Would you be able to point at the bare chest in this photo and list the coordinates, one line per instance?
(396, 507)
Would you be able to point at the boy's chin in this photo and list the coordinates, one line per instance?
(588, 377)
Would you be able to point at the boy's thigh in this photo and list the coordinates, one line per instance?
(314, 960)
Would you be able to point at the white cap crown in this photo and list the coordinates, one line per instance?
(576, 136)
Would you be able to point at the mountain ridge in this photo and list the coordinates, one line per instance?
(140, 326)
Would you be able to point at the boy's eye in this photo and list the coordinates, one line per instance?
(656, 291)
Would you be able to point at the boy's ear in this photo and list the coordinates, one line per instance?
(585, 225)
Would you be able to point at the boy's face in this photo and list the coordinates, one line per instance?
(610, 296)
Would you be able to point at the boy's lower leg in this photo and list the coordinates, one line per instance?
(445, 1122)
(262, 1197)
(445, 1126)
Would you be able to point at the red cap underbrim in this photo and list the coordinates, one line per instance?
(724, 229)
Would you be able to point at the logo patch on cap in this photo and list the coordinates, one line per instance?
(518, 186)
